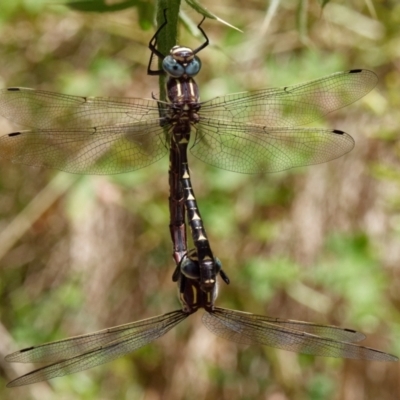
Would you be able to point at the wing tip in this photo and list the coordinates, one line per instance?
(12, 384)
(372, 76)
(386, 357)
(13, 357)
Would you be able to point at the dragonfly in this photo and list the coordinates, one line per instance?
(250, 132)
(86, 351)
(197, 268)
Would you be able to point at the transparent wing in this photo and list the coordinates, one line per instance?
(98, 150)
(294, 336)
(83, 352)
(292, 105)
(329, 331)
(82, 134)
(250, 149)
(47, 110)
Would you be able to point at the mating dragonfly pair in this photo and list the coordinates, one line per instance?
(247, 132)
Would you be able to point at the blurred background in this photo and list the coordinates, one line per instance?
(320, 244)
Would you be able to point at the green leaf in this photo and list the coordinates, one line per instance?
(169, 36)
(203, 11)
(146, 14)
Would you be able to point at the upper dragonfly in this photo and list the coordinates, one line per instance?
(247, 132)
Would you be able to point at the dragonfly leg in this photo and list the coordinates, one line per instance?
(176, 274)
(153, 48)
(206, 43)
(224, 277)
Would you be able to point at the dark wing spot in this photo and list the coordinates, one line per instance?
(27, 349)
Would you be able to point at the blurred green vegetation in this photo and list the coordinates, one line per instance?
(320, 244)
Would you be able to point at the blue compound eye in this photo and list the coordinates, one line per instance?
(172, 67)
(190, 268)
(193, 67)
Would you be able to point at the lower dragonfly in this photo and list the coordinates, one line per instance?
(83, 352)
(249, 132)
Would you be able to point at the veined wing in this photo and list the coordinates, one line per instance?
(328, 331)
(47, 110)
(250, 148)
(85, 135)
(293, 336)
(97, 150)
(83, 352)
(292, 105)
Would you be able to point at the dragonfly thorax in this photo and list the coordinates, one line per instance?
(181, 62)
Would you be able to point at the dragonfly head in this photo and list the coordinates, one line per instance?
(181, 62)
